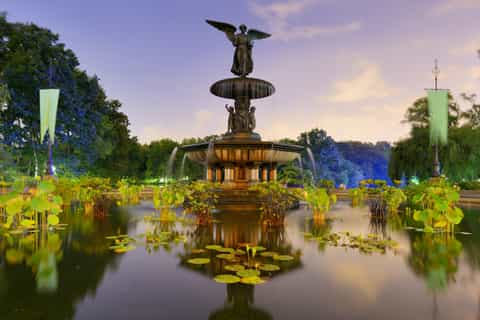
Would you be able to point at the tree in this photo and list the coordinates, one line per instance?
(89, 127)
(417, 113)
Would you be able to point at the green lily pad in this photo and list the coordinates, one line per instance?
(252, 280)
(226, 250)
(248, 273)
(234, 267)
(269, 267)
(283, 257)
(259, 248)
(52, 220)
(196, 251)
(213, 247)
(226, 256)
(227, 278)
(269, 254)
(199, 261)
(124, 249)
(240, 252)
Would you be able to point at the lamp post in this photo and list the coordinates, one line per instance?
(436, 161)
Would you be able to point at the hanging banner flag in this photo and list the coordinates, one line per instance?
(48, 112)
(438, 115)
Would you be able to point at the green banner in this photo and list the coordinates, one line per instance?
(438, 116)
(48, 112)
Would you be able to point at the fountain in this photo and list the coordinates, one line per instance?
(170, 162)
(239, 158)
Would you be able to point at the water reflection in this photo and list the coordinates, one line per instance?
(43, 275)
(74, 274)
(239, 304)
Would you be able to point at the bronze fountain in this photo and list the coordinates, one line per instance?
(239, 158)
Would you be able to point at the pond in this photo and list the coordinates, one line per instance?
(75, 274)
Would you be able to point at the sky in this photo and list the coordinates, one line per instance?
(351, 67)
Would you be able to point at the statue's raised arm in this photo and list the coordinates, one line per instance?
(243, 43)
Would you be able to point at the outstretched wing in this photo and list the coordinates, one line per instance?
(225, 27)
(253, 34)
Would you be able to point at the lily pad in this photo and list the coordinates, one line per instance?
(226, 250)
(199, 261)
(52, 220)
(234, 267)
(269, 267)
(240, 252)
(227, 278)
(269, 254)
(196, 251)
(124, 249)
(259, 248)
(252, 280)
(283, 257)
(226, 256)
(213, 247)
(248, 273)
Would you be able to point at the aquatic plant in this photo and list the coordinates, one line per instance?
(434, 204)
(357, 196)
(319, 201)
(365, 244)
(276, 200)
(31, 207)
(201, 200)
(129, 193)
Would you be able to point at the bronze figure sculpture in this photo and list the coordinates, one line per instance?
(231, 119)
(243, 43)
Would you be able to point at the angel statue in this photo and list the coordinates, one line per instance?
(243, 43)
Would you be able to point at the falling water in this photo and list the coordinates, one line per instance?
(182, 167)
(170, 163)
(300, 163)
(312, 162)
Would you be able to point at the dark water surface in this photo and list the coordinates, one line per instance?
(76, 276)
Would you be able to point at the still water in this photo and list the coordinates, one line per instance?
(74, 275)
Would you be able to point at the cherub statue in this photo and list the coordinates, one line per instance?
(243, 43)
(251, 119)
(231, 118)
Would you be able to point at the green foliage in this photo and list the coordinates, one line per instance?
(129, 193)
(460, 159)
(357, 195)
(319, 200)
(469, 185)
(434, 204)
(31, 207)
(276, 200)
(201, 200)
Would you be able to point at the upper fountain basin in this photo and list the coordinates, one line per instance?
(233, 88)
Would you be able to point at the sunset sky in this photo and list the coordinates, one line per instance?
(351, 67)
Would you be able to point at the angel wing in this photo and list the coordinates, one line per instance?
(253, 34)
(224, 27)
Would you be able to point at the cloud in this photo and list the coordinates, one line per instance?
(448, 6)
(469, 48)
(365, 85)
(475, 72)
(276, 16)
